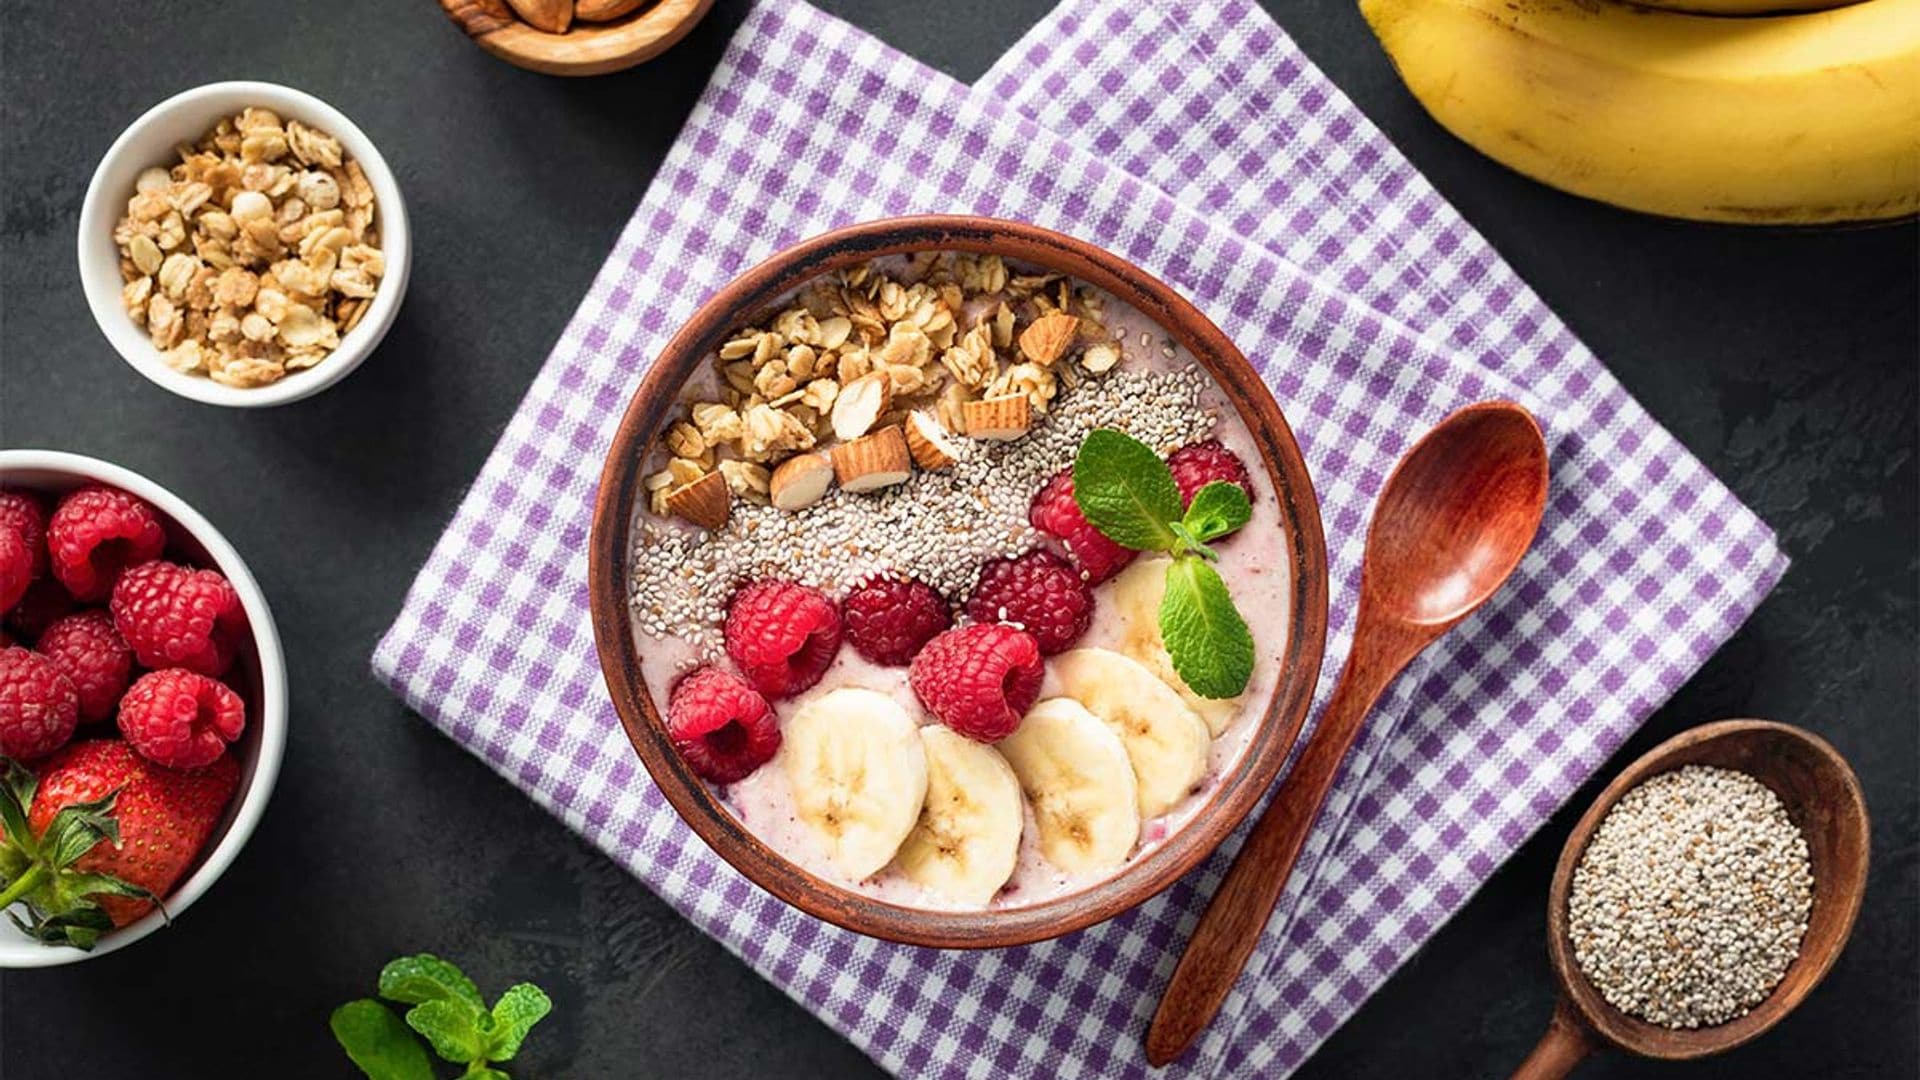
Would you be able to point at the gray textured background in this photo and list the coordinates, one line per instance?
(1786, 360)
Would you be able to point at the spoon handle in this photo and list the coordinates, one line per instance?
(1566, 1044)
(1238, 913)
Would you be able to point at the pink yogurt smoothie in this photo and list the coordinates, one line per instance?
(1254, 563)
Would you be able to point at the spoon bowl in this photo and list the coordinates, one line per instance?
(1457, 516)
(1823, 798)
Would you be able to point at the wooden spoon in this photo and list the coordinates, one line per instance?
(1455, 518)
(1823, 798)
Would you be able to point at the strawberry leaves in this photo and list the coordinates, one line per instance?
(38, 873)
(447, 1011)
(1129, 494)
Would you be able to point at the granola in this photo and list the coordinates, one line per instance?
(942, 329)
(250, 258)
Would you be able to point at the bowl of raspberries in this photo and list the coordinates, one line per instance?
(143, 706)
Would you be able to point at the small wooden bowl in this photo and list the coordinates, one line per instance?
(610, 550)
(1823, 798)
(586, 48)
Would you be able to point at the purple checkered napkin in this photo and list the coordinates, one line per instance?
(1199, 143)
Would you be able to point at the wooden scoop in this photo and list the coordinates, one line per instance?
(1454, 519)
(1823, 798)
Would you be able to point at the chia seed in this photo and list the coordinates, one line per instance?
(937, 526)
(1691, 900)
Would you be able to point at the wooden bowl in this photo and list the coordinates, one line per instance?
(1823, 798)
(638, 704)
(586, 48)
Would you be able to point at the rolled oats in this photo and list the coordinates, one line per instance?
(255, 253)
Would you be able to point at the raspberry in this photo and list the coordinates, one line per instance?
(174, 616)
(38, 705)
(87, 649)
(1198, 464)
(45, 601)
(96, 533)
(979, 680)
(1055, 513)
(181, 719)
(1038, 592)
(24, 512)
(782, 635)
(16, 567)
(722, 726)
(888, 619)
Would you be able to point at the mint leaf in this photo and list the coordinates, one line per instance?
(415, 980)
(514, 1015)
(1217, 509)
(451, 1027)
(1209, 642)
(378, 1042)
(1126, 491)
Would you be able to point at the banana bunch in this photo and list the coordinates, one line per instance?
(1795, 118)
(1118, 747)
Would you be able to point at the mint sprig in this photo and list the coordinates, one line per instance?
(447, 1011)
(1129, 494)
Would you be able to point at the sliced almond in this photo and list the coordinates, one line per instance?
(873, 461)
(932, 448)
(1048, 337)
(1001, 418)
(860, 404)
(800, 481)
(706, 502)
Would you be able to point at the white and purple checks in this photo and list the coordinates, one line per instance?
(1199, 142)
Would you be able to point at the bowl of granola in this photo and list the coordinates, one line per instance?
(957, 581)
(243, 244)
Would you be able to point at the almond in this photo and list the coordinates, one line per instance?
(603, 10)
(1049, 337)
(860, 404)
(932, 448)
(800, 481)
(552, 16)
(873, 461)
(1000, 418)
(706, 502)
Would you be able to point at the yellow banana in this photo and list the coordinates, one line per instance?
(1782, 119)
(1745, 7)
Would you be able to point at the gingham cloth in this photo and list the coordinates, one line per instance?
(1198, 142)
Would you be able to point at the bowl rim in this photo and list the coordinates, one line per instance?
(1696, 745)
(619, 652)
(98, 259)
(252, 800)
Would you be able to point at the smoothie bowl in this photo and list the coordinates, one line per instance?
(910, 577)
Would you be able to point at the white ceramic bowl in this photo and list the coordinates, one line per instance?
(259, 673)
(150, 141)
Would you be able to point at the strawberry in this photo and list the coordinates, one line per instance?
(101, 835)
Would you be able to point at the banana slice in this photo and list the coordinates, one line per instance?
(1136, 596)
(1076, 774)
(968, 837)
(1166, 741)
(859, 776)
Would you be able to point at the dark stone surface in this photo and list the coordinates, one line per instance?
(1786, 360)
